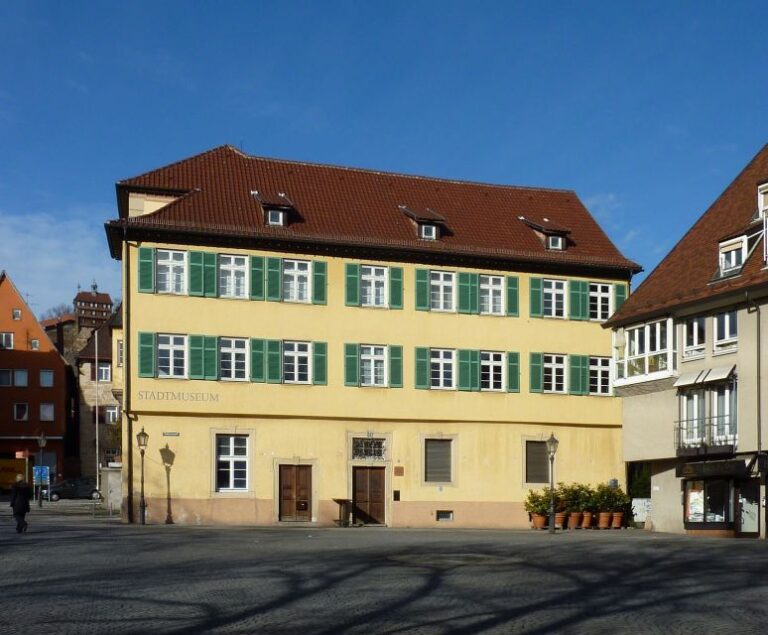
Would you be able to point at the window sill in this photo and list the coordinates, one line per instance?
(373, 306)
(554, 392)
(290, 301)
(725, 351)
(692, 356)
(433, 310)
(232, 297)
(442, 388)
(639, 379)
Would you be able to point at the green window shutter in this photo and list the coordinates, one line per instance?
(257, 360)
(146, 270)
(536, 297)
(422, 289)
(351, 364)
(274, 362)
(579, 374)
(585, 300)
(196, 355)
(513, 372)
(578, 299)
(422, 368)
(210, 274)
(146, 354)
(537, 372)
(320, 363)
(319, 282)
(395, 366)
(475, 369)
(211, 357)
(465, 296)
(352, 277)
(274, 279)
(196, 273)
(395, 288)
(474, 293)
(257, 277)
(619, 295)
(513, 305)
(465, 369)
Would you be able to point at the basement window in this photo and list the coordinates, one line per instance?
(444, 515)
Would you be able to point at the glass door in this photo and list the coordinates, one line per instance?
(748, 510)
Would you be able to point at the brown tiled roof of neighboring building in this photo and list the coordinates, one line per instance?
(105, 344)
(91, 296)
(350, 206)
(687, 274)
(59, 319)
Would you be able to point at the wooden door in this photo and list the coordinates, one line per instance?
(296, 492)
(368, 495)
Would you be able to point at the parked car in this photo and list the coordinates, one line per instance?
(83, 487)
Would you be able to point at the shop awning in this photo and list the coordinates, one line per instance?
(719, 373)
(688, 379)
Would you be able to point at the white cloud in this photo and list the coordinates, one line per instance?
(47, 254)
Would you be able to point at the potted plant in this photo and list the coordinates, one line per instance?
(620, 504)
(570, 495)
(561, 513)
(603, 502)
(586, 505)
(537, 505)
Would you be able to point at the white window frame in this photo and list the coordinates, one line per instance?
(296, 355)
(600, 375)
(428, 231)
(233, 348)
(601, 294)
(6, 341)
(20, 372)
(637, 340)
(177, 344)
(275, 217)
(730, 321)
(119, 353)
(34, 344)
(733, 255)
(26, 411)
(176, 271)
(555, 242)
(104, 371)
(695, 427)
(112, 414)
(553, 291)
(297, 281)
(372, 355)
(492, 287)
(442, 291)
(46, 407)
(554, 365)
(16, 314)
(444, 361)
(694, 337)
(229, 265)
(730, 414)
(231, 458)
(370, 277)
(496, 367)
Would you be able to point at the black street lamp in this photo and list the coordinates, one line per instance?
(552, 449)
(142, 438)
(41, 441)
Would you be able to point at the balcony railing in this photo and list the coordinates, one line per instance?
(718, 434)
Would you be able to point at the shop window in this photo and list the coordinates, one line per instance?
(708, 501)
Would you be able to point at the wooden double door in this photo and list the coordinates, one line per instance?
(368, 484)
(296, 493)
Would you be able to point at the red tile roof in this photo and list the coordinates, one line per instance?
(350, 206)
(66, 317)
(93, 296)
(687, 273)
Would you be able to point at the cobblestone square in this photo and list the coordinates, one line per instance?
(72, 573)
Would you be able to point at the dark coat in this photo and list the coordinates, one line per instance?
(21, 493)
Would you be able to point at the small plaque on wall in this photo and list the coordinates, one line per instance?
(399, 470)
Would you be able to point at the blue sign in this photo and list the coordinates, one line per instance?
(42, 474)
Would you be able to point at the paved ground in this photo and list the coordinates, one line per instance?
(72, 573)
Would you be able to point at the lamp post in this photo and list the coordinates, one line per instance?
(552, 450)
(41, 441)
(142, 438)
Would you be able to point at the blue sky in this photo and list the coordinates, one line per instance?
(648, 110)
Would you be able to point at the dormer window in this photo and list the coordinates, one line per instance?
(555, 242)
(732, 255)
(762, 199)
(428, 232)
(275, 217)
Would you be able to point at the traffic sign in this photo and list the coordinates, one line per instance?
(42, 474)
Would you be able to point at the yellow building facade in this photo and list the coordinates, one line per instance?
(277, 375)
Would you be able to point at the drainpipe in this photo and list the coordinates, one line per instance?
(127, 368)
(753, 307)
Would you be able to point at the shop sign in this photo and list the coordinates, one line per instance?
(177, 395)
(712, 468)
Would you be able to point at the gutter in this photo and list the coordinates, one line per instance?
(753, 307)
(127, 370)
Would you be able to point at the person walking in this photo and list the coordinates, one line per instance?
(20, 495)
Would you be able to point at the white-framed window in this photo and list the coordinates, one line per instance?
(46, 412)
(6, 341)
(555, 242)
(171, 268)
(732, 255)
(20, 377)
(695, 337)
(441, 368)
(119, 352)
(104, 372)
(373, 286)
(726, 331)
(112, 414)
(296, 363)
(492, 295)
(599, 375)
(438, 460)
(554, 373)
(441, 290)
(34, 344)
(365, 448)
(554, 298)
(599, 301)
(275, 217)
(373, 365)
(16, 314)
(231, 462)
(296, 280)
(428, 232)
(724, 426)
(708, 415)
(233, 276)
(21, 412)
(46, 379)
(6, 377)
(171, 356)
(648, 349)
(233, 359)
(491, 371)
(693, 416)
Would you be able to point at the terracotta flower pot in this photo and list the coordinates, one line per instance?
(574, 520)
(604, 520)
(618, 520)
(560, 519)
(586, 520)
(539, 521)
